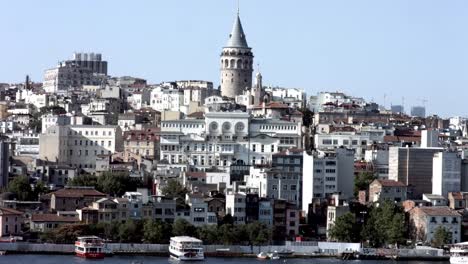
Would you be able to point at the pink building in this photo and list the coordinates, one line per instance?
(10, 220)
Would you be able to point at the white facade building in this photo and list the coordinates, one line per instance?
(316, 102)
(79, 146)
(446, 173)
(235, 206)
(359, 141)
(326, 173)
(164, 98)
(54, 120)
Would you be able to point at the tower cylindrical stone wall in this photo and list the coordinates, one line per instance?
(236, 71)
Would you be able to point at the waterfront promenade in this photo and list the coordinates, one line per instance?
(300, 249)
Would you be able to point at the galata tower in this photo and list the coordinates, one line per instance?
(236, 63)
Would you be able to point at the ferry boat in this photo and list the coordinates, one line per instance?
(186, 248)
(91, 247)
(459, 253)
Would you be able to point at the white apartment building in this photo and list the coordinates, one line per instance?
(79, 145)
(316, 103)
(379, 159)
(235, 206)
(294, 97)
(68, 75)
(54, 120)
(326, 173)
(273, 183)
(223, 139)
(27, 144)
(38, 99)
(358, 141)
(140, 99)
(163, 98)
(446, 173)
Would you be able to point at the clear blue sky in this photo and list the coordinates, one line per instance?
(412, 48)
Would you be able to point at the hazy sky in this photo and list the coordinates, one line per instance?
(412, 48)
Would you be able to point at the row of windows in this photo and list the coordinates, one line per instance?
(270, 127)
(90, 133)
(91, 143)
(183, 125)
(345, 142)
(293, 187)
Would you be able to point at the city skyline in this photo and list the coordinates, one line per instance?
(413, 50)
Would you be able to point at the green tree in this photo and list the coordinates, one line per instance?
(116, 184)
(441, 237)
(227, 220)
(21, 187)
(345, 229)
(40, 188)
(131, 231)
(66, 234)
(209, 234)
(362, 181)
(182, 227)
(110, 230)
(307, 116)
(385, 225)
(83, 180)
(156, 231)
(227, 234)
(174, 189)
(258, 233)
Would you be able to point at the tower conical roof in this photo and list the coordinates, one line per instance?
(237, 37)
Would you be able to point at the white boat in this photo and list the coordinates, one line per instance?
(186, 248)
(89, 247)
(459, 253)
(274, 255)
(262, 255)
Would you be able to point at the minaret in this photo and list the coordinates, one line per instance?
(236, 63)
(257, 89)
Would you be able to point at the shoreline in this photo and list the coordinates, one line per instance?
(234, 255)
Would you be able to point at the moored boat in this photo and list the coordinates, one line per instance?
(262, 255)
(186, 248)
(91, 247)
(274, 255)
(459, 253)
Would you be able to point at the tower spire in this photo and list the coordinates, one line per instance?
(238, 7)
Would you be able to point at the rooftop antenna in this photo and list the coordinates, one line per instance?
(384, 99)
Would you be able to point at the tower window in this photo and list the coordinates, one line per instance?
(232, 80)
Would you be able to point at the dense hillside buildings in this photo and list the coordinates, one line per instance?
(241, 153)
(83, 69)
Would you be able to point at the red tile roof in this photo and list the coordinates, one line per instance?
(272, 105)
(390, 183)
(197, 115)
(143, 135)
(438, 211)
(53, 218)
(9, 211)
(457, 195)
(402, 139)
(77, 193)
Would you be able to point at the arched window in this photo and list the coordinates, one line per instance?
(226, 63)
(233, 62)
(239, 64)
